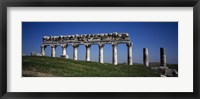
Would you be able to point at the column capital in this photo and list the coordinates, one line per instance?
(101, 44)
(75, 45)
(88, 45)
(129, 44)
(53, 46)
(114, 43)
(43, 46)
(64, 45)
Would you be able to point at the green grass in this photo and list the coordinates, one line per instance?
(59, 67)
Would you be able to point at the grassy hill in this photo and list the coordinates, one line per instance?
(37, 66)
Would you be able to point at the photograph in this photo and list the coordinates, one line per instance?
(76, 49)
(99, 49)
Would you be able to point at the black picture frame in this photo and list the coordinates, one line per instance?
(99, 3)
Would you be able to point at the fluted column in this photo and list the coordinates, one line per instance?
(162, 57)
(87, 52)
(43, 50)
(129, 47)
(146, 57)
(101, 46)
(53, 50)
(75, 54)
(114, 47)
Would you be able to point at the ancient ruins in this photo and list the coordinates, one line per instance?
(101, 39)
(88, 39)
(163, 62)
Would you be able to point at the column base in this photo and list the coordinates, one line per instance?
(64, 56)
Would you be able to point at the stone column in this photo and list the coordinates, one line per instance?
(114, 47)
(87, 52)
(53, 50)
(75, 54)
(32, 54)
(43, 50)
(101, 53)
(64, 46)
(129, 47)
(146, 57)
(162, 57)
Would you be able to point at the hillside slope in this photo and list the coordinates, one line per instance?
(37, 66)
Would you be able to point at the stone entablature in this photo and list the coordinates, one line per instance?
(88, 39)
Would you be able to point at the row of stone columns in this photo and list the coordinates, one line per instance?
(162, 57)
(101, 46)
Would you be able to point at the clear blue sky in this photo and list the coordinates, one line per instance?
(151, 35)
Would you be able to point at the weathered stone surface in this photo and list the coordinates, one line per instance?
(165, 71)
(87, 39)
(43, 50)
(129, 47)
(75, 54)
(64, 47)
(145, 57)
(32, 53)
(162, 57)
(64, 56)
(53, 50)
(114, 47)
(101, 46)
(87, 52)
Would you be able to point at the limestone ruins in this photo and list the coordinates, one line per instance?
(88, 39)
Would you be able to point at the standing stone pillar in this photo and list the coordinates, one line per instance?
(162, 57)
(43, 50)
(114, 46)
(129, 47)
(64, 46)
(87, 52)
(101, 46)
(146, 57)
(75, 54)
(53, 50)
(32, 53)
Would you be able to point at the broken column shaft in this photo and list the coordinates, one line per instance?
(145, 57)
(162, 57)
(129, 47)
(101, 46)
